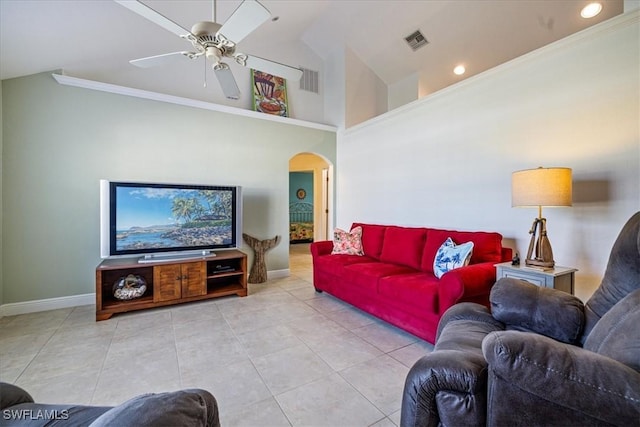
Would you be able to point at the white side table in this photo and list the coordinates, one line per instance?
(561, 278)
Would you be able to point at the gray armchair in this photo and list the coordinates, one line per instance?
(539, 357)
(192, 407)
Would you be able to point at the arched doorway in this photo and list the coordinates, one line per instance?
(310, 198)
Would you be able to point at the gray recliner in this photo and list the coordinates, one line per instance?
(539, 357)
(192, 407)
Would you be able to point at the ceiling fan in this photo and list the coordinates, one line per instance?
(216, 42)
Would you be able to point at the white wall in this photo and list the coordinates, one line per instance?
(335, 88)
(446, 160)
(365, 93)
(305, 105)
(630, 5)
(403, 92)
(59, 141)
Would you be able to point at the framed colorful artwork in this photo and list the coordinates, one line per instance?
(269, 94)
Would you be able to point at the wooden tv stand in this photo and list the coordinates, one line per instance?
(171, 282)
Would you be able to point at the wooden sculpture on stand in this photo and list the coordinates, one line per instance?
(258, 273)
(539, 253)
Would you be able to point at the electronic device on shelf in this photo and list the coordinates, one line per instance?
(168, 222)
(223, 268)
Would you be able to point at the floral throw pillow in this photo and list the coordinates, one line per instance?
(451, 256)
(348, 243)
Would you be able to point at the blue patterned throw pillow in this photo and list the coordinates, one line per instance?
(451, 256)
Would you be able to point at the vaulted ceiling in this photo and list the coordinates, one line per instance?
(95, 39)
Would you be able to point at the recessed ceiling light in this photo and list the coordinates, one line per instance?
(591, 10)
(459, 70)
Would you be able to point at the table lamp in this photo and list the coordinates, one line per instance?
(537, 188)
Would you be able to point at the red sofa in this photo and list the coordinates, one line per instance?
(394, 278)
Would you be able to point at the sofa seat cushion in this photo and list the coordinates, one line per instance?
(372, 238)
(487, 247)
(367, 274)
(334, 264)
(404, 246)
(419, 290)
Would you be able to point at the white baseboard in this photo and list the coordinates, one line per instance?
(278, 274)
(15, 308)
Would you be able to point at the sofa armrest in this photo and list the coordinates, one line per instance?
(470, 281)
(561, 374)
(445, 383)
(191, 407)
(11, 395)
(526, 307)
(506, 254)
(323, 247)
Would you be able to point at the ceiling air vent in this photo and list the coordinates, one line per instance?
(309, 80)
(416, 40)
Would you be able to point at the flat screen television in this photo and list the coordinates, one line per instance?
(166, 221)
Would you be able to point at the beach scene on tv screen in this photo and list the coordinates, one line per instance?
(160, 217)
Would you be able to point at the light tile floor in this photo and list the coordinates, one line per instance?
(282, 356)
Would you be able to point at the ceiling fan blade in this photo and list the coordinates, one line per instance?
(244, 20)
(153, 61)
(273, 68)
(227, 81)
(153, 16)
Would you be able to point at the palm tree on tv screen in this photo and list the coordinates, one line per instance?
(186, 209)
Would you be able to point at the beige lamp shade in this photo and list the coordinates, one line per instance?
(541, 187)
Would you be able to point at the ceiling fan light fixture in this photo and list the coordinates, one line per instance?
(214, 55)
(216, 42)
(591, 10)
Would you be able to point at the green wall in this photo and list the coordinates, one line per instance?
(59, 141)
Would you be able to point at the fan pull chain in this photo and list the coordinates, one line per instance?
(205, 73)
